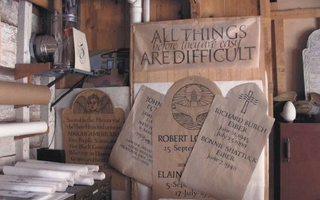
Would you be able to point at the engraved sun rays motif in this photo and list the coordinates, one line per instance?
(191, 104)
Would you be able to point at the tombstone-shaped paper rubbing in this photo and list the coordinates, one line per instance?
(90, 129)
(175, 126)
(229, 143)
(311, 62)
(132, 153)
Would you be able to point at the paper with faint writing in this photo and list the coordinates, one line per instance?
(132, 153)
(175, 129)
(196, 43)
(229, 143)
(90, 129)
(81, 53)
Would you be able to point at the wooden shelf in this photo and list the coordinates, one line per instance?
(25, 70)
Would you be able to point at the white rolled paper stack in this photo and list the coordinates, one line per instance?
(96, 175)
(60, 185)
(91, 168)
(27, 187)
(84, 181)
(23, 171)
(77, 170)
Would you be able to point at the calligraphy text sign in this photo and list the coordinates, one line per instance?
(232, 42)
(132, 153)
(175, 126)
(90, 129)
(229, 143)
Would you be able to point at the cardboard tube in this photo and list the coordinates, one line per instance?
(22, 128)
(14, 93)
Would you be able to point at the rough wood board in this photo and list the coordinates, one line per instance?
(280, 59)
(293, 4)
(43, 3)
(23, 56)
(105, 23)
(227, 74)
(0, 43)
(296, 13)
(228, 8)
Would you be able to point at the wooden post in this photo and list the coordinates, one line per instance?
(280, 59)
(195, 9)
(23, 56)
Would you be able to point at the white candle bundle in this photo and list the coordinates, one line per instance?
(23, 171)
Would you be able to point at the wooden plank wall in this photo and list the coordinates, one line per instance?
(293, 22)
(105, 23)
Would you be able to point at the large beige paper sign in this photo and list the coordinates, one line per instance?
(176, 125)
(229, 143)
(232, 42)
(132, 153)
(90, 129)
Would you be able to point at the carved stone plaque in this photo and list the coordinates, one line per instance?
(90, 129)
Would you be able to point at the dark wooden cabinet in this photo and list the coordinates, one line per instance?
(297, 166)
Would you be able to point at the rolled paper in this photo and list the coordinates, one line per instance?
(57, 196)
(54, 180)
(22, 128)
(84, 181)
(15, 179)
(27, 187)
(91, 168)
(96, 175)
(23, 171)
(79, 171)
(23, 94)
(70, 182)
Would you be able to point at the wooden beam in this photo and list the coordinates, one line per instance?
(295, 13)
(0, 43)
(195, 9)
(265, 8)
(23, 56)
(46, 4)
(25, 70)
(280, 59)
(273, 6)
